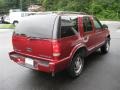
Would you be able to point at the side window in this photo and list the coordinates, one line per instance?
(87, 25)
(97, 24)
(75, 24)
(68, 27)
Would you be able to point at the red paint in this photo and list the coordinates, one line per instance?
(63, 48)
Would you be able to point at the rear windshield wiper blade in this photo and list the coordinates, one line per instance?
(32, 38)
(21, 34)
(36, 38)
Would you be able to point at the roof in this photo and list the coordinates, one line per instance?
(69, 12)
(66, 13)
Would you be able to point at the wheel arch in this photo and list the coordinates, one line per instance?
(15, 21)
(82, 50)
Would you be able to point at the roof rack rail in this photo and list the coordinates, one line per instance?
(61, 12)
(68, 12)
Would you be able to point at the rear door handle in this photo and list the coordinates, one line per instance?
(98, 33)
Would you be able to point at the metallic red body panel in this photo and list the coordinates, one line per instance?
(41, 50)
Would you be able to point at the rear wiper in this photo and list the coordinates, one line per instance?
(21, 34)
(36, 38)
(33, 38)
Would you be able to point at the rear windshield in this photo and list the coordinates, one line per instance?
(37, 26)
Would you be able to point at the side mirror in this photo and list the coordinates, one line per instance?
(105, 26)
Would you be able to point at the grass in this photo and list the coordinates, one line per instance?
(6, 26)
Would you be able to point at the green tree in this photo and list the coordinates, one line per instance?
(104, 9)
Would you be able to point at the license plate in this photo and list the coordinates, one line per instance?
(29, 61)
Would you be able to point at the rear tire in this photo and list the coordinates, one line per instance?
(15, 23)
(105, 48)
(76, 66)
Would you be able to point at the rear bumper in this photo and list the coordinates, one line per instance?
(39, 64)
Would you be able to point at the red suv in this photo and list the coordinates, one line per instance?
(58, 41)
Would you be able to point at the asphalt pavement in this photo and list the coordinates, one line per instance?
(101, 72)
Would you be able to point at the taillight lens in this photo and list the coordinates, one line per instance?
(56, 48)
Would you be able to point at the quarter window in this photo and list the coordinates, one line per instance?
(69, 27)
(87, 25)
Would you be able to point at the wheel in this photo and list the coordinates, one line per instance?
(105, 48)
(76, 66)
(15, 23)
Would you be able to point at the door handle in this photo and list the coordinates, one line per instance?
(98, 33)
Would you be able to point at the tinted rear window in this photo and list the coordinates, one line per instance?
(37, 26)
(69, 26)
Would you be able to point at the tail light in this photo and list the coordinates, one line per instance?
(56, 48)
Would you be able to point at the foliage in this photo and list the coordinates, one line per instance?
(104, 9)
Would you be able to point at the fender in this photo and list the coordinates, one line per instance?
(76, 48)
